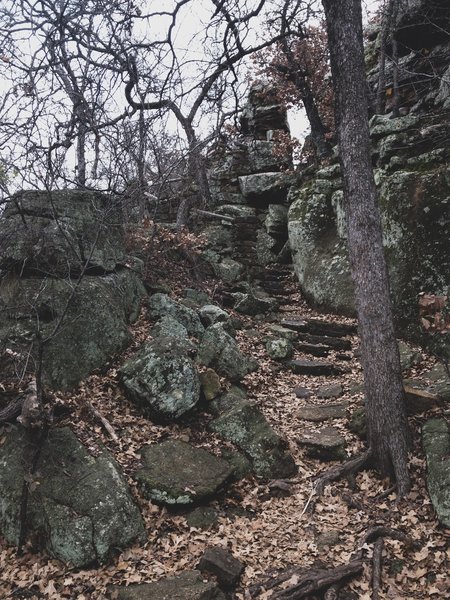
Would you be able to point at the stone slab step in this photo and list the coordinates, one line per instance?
(313, 349)
(318, 327)
(312, 367)
(317, 413)
(336, 343)
(326, 444)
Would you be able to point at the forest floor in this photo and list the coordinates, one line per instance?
(268, 527)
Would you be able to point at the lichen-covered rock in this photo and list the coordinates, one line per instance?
(161, 379)
(228, 269)
(221, 352)
(177, 473)
(211, 314)
(79, 507)
(253, 303)
(60, 233)
(266, 248)
(265, 188)
(94, 315)
(185, 586)
(436, 443)
(161, 305)
(169, 327)
(279, 348)
(244, 424)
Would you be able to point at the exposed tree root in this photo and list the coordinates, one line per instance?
(351, 466)
(297, 582)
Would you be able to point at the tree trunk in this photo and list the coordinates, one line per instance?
(318, 131)
(386, 415)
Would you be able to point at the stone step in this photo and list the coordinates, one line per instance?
(312, 367)
(321, 328)
(313, 349)
(325, 340)
(325, 444)
(318, 414)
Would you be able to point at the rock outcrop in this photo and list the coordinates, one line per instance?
(66, 279)
(410, 155)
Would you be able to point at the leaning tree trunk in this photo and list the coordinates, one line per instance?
(386, 416)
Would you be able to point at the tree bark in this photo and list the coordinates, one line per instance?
(386, 414)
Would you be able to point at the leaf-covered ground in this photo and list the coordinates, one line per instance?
(267, 526)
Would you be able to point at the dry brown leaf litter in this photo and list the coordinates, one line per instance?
(266, 530)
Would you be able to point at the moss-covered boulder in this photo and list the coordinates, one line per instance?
(243, 424)
(161, 379)
(177, 473)
(220, 351)
(436, 443)
(86, 322)
(79, 506)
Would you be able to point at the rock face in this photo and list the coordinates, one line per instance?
(436, 443)
(47, 241)
(80, 507)
(249, 184)
(410, 154)
(161, 305)
(176, 473)
(162, 380)
(186, 586)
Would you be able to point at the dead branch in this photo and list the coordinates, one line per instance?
(377, 567)
(213, 215)
(104, 421)
(309, 581)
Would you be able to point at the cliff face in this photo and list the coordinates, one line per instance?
(411, 162)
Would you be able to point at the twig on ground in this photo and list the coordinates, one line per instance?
(106, 424)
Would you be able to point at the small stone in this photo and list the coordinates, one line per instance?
(321, 413)
(326, 444)
(302, 392)
(330, 391)
(223, 565)
(279, 349)
(202, 517)
(311, 367)
(210, 384)
(328, 538)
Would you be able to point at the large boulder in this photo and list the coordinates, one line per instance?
(161, 379)
(85, 323)
(60, 233)
(79, 505)
(221, 352)
(176, 473)
(66, 280)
